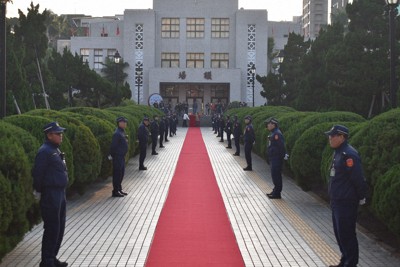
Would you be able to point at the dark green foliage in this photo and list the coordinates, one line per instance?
(386, 199)
(305, 157)
(295, 131)
(86, 149)
(34, 125)
(379, 144)
(103, 131)
(15, 186)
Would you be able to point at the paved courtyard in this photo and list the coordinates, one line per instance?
(293, 231)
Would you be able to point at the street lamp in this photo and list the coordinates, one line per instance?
(253, 73)
(392, 38)
(3, 4)
(117, 59)
(138, 75)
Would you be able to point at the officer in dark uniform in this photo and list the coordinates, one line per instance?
(143, 137)
(347, 190)
(228, 130)
(216, 131)
(237, 133)
(118, 150)
(221, 128)
(50, 179)
(166, 121)
(249, 139)
(161, 129)
(276, 154)
(154, 130)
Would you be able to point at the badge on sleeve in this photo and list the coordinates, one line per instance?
(349, 162)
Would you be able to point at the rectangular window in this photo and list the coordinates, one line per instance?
(219, 28)
(194, 28)
(219, 60)
(85, 55)
(170, 60)
(170, 28)
(195, 60)
(110, 54)
(98, 59)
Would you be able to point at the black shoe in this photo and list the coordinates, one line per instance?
(123, 193)
(274, 196)
(142, 168)
(339, 265)
(42, 264)
(248, 168)
(270, 194)
(117, 194)
(236, 154)
(218, 136)
(228, 147)
(59, 263)
(162, 146)
(154, 153)
(166, 140)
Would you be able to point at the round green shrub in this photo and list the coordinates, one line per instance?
(86, 149)
(379, 144)
(16, 183)
(386, 199)
(34, 125)
(296, 130)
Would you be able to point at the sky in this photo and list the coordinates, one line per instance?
(278, 10)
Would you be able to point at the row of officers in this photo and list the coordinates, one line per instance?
(347, 186)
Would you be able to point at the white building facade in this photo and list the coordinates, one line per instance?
(184, 50)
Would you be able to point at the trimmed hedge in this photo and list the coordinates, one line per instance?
(86, 149)
(386, 199)
(17, 202)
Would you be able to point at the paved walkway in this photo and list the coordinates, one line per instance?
(105, 231)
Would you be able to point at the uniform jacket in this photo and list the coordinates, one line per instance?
(237, 131)
(228, 127)
(50, 169)
(119, 143)
(276, 145)
(347, 182)
(154, 129)
(161, 127)
(143, 134)
(249, 137)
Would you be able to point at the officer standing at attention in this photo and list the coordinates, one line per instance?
(161, 128)
(249, 139)
(276, 154)
(166, 122)
(143, 136)
(118, 150)
(228, 130)
(50, 179)
(237, 132)
(347, 190)
(221, 128)
(154, 130)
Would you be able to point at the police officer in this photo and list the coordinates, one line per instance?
(347, 190)
(166, 122)
(237, 133)
(154, 130)
(276, 154)
(228, 130)
(143, 136)
(50, 179)
(161, 129)
(118, 150)
(249, 139)
(221, 128)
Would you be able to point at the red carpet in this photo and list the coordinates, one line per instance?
(194, 229)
